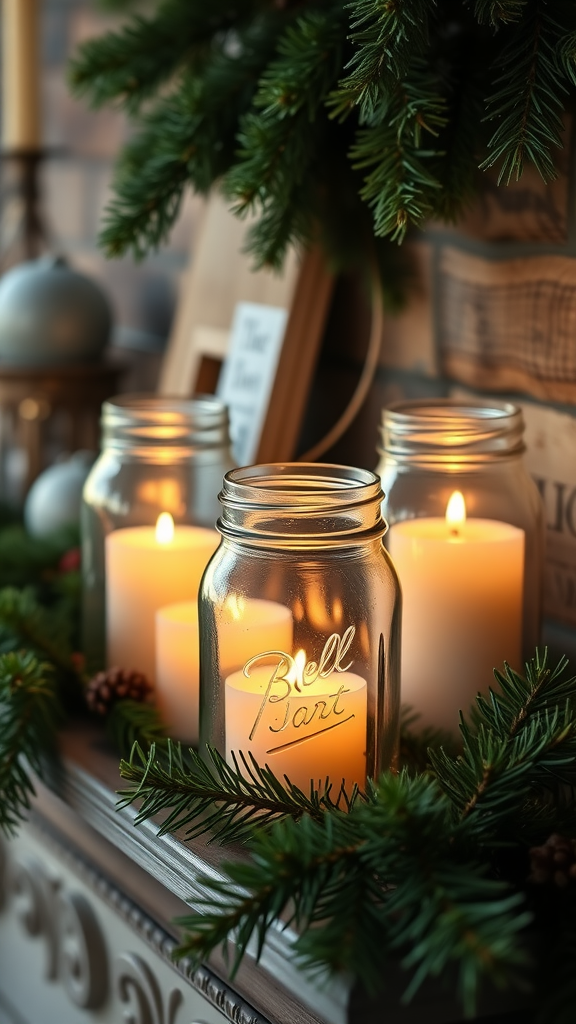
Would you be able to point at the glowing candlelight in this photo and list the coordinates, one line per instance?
(148, 567)
(462, 582)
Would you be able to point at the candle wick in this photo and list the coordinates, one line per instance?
(454, 532)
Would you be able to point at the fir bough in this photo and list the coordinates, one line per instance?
(341, 122)
(427, 869)
(30, 713)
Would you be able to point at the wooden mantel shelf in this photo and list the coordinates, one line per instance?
(136, 884)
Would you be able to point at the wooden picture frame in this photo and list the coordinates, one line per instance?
(221, 276)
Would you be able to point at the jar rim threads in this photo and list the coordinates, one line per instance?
(436, 430)
(317, 503)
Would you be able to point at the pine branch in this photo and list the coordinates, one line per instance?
(188, 138)
(499, 12)
(530, 97)
(386, 38)
(284, 137)
(29, 717)
(130, 65)
(333, 877)
(400, 187)
(201, 797)
(30, 625)
(131, 722)
(522, 742)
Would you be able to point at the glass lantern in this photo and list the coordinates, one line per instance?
(467, 538)
(159, 455)
(299, 626)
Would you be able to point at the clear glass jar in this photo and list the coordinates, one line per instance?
(299, 625)
(159, 454)
(431, 449)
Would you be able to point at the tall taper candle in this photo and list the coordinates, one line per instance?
(20, 75)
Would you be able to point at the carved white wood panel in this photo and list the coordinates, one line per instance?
(67, 956)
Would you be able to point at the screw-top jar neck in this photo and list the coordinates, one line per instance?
(152, 425)
(301, 505)
(446, 432)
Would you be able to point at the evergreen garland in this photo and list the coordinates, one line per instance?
(340, 121)
(42, 679)
(429, 868)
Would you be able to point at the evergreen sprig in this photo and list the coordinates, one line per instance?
(393, 877)
(131, 64)
(30, 714)
(520, 746)
(27, 624)
(201, 797)
(532, 88)
(423, 94)
(386, 37)
(131, 722)
(397, 150)
(429, 868)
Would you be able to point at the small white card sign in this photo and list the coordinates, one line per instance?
(249, 371)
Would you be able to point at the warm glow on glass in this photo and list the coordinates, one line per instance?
(164, 528)
(456, 511)
(236, 606)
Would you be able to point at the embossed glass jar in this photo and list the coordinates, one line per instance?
(159, 454)
(299, 625)
(431, 449)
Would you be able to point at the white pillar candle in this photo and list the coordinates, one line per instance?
(462, 586)
(250, 626)
(20, 75)
(300, 722)
(178, 669)
(145, 570)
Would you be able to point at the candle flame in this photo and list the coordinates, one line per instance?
(164, 528)
(456, 512)
(296, 674)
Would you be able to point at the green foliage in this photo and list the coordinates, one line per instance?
(131, 722)
(170, 780)
(428, 867)
(400, 184)
(530, 96)
(334, 876)
(25, 623)
(338, 122)
(26, 560)
(386, 37)
(29, 716)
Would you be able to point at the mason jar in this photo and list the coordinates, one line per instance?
(471, 579)
(159, 454)
(299, 626)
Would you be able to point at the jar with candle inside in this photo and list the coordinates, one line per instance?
(467, 539)
(299, 626)
(147, 521)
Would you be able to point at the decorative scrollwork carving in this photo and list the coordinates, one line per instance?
(140, 993)
(33, 893)
(83, 958)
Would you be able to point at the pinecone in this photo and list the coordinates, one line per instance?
(555, 862)
(106, 688)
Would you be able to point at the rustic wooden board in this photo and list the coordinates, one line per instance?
(220, 275)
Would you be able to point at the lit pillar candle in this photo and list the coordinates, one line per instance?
(245, 626)
(301, 720)
(20, 75)
(146, 568)
(178, 669)
(248, 626)
(462, 587)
